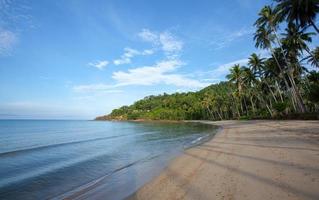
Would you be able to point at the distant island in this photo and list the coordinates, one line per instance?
(277, 85)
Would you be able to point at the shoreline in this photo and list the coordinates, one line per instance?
(255, 159)
(95, 188)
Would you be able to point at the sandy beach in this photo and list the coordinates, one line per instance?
(245, 160)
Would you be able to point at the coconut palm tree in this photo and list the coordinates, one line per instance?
(295, 40)
(314, 58)
(267, 25)
(268, 18)
(256, 64)
(236, 76)
(206, 103)
(264, 39)
(302, 12)
(249, 82)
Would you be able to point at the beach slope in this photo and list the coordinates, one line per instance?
(245, 160)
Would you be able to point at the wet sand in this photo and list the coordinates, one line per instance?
(245, 160)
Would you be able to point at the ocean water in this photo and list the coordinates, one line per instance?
(52, 159)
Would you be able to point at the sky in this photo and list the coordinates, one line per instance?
(77, 59)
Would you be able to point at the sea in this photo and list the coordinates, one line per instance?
(69, 159)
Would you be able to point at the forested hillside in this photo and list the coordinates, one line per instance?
(277, 85)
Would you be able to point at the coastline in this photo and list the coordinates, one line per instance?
(245, 160)
(99, 188)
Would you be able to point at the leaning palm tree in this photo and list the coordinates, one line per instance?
(249, 82)
(264, 39)
(269, 19)
(295, 40)
(294, 43)
(273, 73)
(302, 12)
(267, 25)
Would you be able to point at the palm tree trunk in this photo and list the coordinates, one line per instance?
(221, 118)
(279, 91)
(269, 110)
(292, 96)
(236, 105)
(299, 101)
(209, 111)
(241, 106)
(252, 103)
(293, 102)
(245, 105)
(291, 79)
(265, 103)
(238, 111)
(272, 93)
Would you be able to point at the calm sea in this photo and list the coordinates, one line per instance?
(51, 159)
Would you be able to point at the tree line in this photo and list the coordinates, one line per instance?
(277, 85)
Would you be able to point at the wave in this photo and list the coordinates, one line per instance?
(93, 184)
(78, 191)
(37, 148)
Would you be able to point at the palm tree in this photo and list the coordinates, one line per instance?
(249, 81)
(302, 12)
(267, 25)
(274, 76)
(295, 40)
(268, 18)
(206, 104)
(313, 60)
(264, 39)
(236, 76)
(256, 64)
(294, 43)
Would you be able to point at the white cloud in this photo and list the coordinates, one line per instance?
(148, 52)
(163, 72)
(225, 39)
(159, 73)
(129, 53)
(99, 64)
(164, 40)
(170, 43)
(7, 40)
(148, 36)
(222, 70)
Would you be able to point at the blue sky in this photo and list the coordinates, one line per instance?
(82, 58)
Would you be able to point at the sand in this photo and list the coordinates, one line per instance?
(245, 160)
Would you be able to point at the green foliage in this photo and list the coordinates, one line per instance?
(313, 90)
(280, 106)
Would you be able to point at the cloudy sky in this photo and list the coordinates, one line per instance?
(81, 58)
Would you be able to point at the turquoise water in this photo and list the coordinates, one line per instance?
(45, 159)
